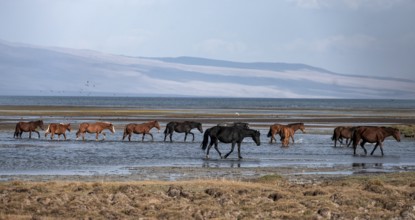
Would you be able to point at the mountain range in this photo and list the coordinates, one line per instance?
(38, 70)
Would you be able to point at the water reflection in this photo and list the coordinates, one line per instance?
(221, 163)
(367, 165)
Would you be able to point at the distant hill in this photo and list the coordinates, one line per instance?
(35, 70)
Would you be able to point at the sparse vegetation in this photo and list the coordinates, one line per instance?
(375, 197)
(407, 130)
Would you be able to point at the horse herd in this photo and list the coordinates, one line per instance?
(233, 133)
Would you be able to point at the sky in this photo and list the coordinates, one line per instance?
(356, 37)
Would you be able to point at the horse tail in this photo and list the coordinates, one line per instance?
(205, 139)
(269, 132)
(16, 131)
(169, 127)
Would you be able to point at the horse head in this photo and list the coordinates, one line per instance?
(302, 128)
(256, 137)
(396, 134)
(40, 124)
(199, 127)
(111, 128)
(157, 125)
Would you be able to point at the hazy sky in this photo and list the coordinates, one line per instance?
(365, 37)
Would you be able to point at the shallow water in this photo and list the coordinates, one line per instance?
(113, 156)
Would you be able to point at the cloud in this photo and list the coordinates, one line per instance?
(350, 4)
(336, 42)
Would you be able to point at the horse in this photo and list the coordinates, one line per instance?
(276, 128)
(96, 127)
(30, 127)
(181, 127)
(55, 128)
(373, 134)
(143, 128)
(285, 133)
(295, 127)
(341, 132)
(234, 135)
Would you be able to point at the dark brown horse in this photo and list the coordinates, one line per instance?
(143, 128)
(181, 127)
(96, 127)
(55, 128)
(340, 133)
(276, 128)
(373, 134)
(30, 127)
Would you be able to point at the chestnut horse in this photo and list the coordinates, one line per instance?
(96, 127)
(342, 132)
(373, 134)
(285, 133)
(181, 127)
(55, 128)
(30, 127)
(143, 128)
(276, 128)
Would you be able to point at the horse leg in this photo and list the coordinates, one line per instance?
(52, 135)
(185, 136)
(292, 138)
(217, 149)
(151, 135)
(96, 137)
(38, 134)
(363, 146)
(233, 146)
(239, 151)
(105, 135)
(30, 134)
(381, 147)
(208, 149)
(142, 139)
(193, 140)
(350, 141)
(64, 136)
(376, 146)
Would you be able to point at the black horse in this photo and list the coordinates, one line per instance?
(181, 127)
(233, 135)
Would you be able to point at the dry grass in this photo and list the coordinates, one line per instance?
(406, 130)
(375, 197)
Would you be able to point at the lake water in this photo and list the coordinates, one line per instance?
(113, 156)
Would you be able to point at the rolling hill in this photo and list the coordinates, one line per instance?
(36, 70)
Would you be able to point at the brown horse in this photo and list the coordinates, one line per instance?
(30, 127)
(276, 128)
(295, 127)
(55, 128)
(285, 133)
(373, 134)
(96, 127)
(342, 132)
(143, 128)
